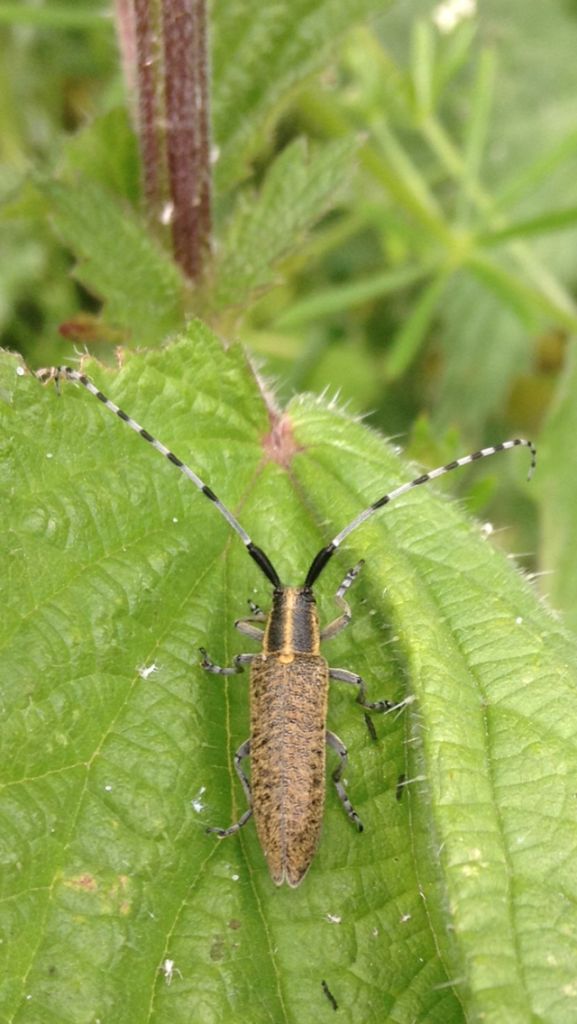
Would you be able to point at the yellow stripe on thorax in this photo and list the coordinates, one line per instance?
(287, 653)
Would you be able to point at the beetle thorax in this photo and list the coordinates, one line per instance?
(293, 624)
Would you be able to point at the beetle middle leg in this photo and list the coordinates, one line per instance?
(338, 746)
(344, 676)
(238, 664)
(242, 752)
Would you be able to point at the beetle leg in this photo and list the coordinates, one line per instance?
(242, 752)
(343, 676)
(223, 833)
(257, 613)
(343, 620)
(239, 662)
(245, 626)
(338, 745)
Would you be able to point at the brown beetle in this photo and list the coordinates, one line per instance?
(289, 679)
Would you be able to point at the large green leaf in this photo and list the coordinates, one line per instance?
(459, 901)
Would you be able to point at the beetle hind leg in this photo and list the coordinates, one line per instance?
(242, 752)
(223, 833)
(338, 746)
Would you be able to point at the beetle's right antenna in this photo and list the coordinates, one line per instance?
(56, 373)
(326, 553)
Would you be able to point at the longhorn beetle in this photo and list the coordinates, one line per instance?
(289, 678)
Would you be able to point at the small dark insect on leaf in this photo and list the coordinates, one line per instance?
(401, 782)
(329, 995)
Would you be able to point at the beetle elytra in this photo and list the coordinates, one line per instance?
(289, 678)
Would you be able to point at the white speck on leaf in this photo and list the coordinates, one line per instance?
(169, 969)
(196, 801)
(147, 670)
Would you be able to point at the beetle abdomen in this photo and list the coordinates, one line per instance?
(288, 716)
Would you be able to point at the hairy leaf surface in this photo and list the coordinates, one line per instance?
(459, 900)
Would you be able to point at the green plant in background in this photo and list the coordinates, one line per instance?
(458, 902)
(457, 225)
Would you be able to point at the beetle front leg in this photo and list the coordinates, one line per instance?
(239, 662)
(343, 620)
(338, 746)
(257, 613)
(343, 676)
(242, 752)
(245, 625)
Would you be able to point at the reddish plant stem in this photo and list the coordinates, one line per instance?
(165, 56)
(187, 134)
(126, 34)
(148, 67)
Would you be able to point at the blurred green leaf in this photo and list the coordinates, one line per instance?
(518, 294)
(409, 339)
(119, 261)
(477, 129)
(508, 286)
(458, 902)
(532, 104)
(54, 15)
(553, 220)
(452, 166)
(90, 155)
(262, 230)
(347, 296)
(423, 67)
(525, 180)
(395, 168)
(558, 495)
(478, 366)
(260, 54)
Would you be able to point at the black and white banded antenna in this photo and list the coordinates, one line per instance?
(56, 373)
(320, 560)
(262, 560)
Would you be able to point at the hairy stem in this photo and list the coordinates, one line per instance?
(188, 146)
(165, 57)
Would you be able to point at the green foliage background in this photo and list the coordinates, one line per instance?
(395, 215)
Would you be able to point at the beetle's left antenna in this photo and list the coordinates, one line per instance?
(326, 553)
(56, 373)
